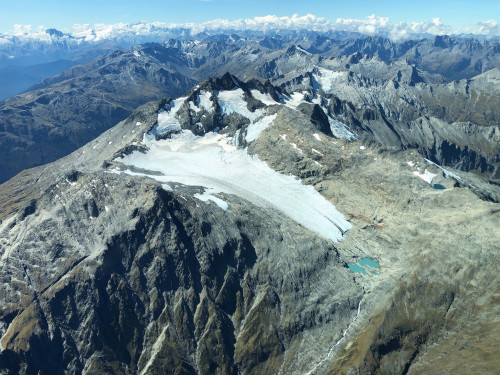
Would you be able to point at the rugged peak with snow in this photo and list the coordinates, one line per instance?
(243, 110)
(54, 33)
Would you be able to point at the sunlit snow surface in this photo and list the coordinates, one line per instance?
(264, 98)
(204, 100)
(254, 129)
(426, 176)
(210, 162)
(206, 196)
(232, 101)
(339, 130)
(326, 78)
(166, 119)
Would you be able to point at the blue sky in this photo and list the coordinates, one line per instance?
(63, 14)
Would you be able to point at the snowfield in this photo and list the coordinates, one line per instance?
(212, 163)
(426, 176)
(326, 78)
(233, 102)
(166, 119)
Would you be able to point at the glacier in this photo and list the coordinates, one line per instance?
(210, 161)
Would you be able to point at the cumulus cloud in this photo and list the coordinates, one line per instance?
(375, 25)
(269, 22)
(22, 29)
(371, 25)
(489, 28)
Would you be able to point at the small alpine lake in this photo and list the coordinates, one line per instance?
(364, 265)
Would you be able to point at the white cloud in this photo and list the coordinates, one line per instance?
(375, 25)
(489, 28)
(371, 25)
(367, 29)
(399, 34)
(22, 29)
(295, 22)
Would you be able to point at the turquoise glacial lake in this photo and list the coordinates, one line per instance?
(364, 266)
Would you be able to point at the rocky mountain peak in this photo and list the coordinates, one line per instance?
(409, 76)
(54, 33)
(443, 41)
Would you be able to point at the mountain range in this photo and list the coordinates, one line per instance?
(329, 206)
(393, 85)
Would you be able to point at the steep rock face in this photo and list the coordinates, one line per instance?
(171, 284)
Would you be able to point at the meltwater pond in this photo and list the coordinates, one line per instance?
(364, 265)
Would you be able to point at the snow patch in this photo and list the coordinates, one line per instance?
(166, 119)
(204, 101)
(294, 100)
(340, 130)
(295, 147)
(234, 102)
(194, 107)
(445, 171)
(326, 78)
(316, 135)
(206, 196)
(316, 151)
(316, 100)
(426, 176)
(254, 130)
(264, 98)
(299, 48)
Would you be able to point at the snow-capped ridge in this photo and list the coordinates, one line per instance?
(241, 109)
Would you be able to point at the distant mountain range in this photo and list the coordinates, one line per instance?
(392, 86)
(44, 53)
